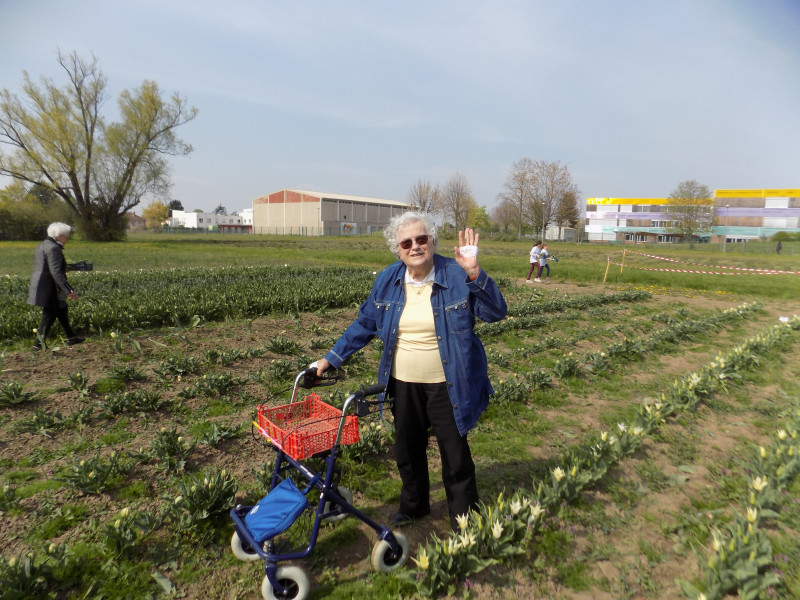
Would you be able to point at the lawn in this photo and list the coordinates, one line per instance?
(97, 442)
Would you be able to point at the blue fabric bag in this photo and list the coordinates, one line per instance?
(276, 511)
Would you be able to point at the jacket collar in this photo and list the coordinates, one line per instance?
(439, 276)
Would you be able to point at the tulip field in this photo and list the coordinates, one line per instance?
(642, 441)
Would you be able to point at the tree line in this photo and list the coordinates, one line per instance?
(537, 194)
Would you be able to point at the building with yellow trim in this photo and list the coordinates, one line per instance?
(738, 216)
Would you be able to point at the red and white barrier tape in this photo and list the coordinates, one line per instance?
(744, 269)
(699, 272)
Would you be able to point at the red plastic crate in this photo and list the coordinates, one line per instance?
(305, 428)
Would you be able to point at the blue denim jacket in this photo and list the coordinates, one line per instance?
(456, 301)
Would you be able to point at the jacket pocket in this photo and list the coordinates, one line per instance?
(459, 317)
(382, 314)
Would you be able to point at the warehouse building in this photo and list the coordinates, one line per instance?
(297, 212)
(737, 215)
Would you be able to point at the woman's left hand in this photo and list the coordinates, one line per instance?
(468, 237)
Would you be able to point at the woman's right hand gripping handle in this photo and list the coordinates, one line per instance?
(322, 366)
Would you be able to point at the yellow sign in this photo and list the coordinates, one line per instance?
(631, 201)
(765, 193)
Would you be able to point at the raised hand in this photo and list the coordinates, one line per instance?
(468, 237)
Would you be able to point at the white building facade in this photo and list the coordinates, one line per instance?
(236, 223)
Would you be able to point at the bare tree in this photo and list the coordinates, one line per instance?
(551, 182)
(503, 216)
(457, 200)
(100, 170)
(518, 191)
(425, 197)
(691, 209)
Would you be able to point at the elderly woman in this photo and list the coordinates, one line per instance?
(49, 287)
(423, 307)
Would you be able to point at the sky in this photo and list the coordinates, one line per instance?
(368, 97)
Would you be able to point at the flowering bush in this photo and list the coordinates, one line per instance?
(93, 475)
(171, 449)
(374, 439)
(125, 531)
(567, 366)
(741, 555)
(202, 499)
(486, 536)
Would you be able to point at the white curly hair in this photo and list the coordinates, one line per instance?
(390, 233)
(57, 229)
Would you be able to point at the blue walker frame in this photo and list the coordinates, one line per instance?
(326, 486)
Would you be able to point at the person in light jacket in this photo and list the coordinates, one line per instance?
(424, 307)
(49, 287)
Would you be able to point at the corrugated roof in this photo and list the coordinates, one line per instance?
(345, 197)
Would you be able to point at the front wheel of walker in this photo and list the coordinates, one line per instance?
(386, 561)
(294, 581)
(241, 550)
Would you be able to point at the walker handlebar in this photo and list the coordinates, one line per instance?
(372, 390)
(360, 398)
(309, 379)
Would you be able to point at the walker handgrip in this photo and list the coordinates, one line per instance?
(310, 379)
(362, 405)
(372, 390)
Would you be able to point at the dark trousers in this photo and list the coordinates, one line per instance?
(539, 274)
(51, 312)
(534, 266)
(418, 407)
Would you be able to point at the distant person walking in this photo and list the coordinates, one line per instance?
(49, 287)
(544, 256)
(534, 260)
(779, 247)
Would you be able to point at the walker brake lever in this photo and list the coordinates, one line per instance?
(312, 380)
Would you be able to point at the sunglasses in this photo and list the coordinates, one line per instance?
(420, 239)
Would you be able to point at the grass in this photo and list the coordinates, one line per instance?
(512, 442)
(579, 262)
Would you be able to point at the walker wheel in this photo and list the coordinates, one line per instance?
(293, 579)
(330, 505)
(386, 561)
(241, 550)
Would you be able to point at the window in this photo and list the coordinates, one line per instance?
(200, 219)
(635, 237)
(666, 239)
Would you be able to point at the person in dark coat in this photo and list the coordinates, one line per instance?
(49, 287)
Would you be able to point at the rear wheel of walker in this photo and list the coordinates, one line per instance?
(241, 550)
(293, 579)
(330, 505)
(386, 561)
